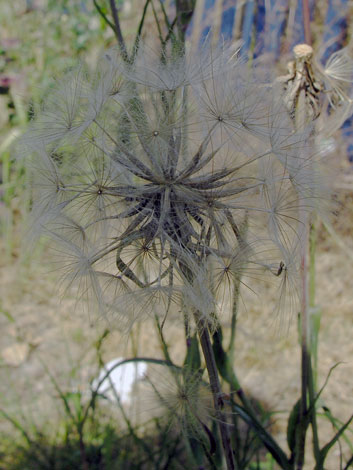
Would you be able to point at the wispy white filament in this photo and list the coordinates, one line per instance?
(145, 174)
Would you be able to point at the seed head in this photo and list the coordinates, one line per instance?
(146, 173)
(181, 398)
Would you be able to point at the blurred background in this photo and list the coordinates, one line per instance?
(49, 350)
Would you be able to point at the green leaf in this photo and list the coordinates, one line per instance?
(223, 364)
(325, 450)
(61, 394)
(336, 423)
(17, 425)
(75, 399)
(293, 421)
(349, 463)
(313, 404)
(225, 368)
(276, 452)
(193, 359)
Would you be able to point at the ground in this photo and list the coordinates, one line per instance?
(40, 327)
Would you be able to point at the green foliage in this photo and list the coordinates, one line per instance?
(85, 439)
(39, 42)
(292, 424)
(43, 43)
(106, 447)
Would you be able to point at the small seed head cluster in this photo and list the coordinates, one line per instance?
(166, 182)
(182, 398)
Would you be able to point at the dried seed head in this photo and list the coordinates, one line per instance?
(156, 165)
(180, 397)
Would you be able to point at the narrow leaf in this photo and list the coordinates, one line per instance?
(324, 451)
(276, 452)
(293, 421)
(193, 359)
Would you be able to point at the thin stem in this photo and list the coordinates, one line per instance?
(349, 463)
(104, 16)
(302, 427)
(139, 31)
(158, 25)
(312, 403)
(166, 19)
(227, 372)
(117, 30)
(315, 313)
(83, 454)
(170, 34)
(215, 388)
(162, 341)
(185, 10)
(305, 352)
(231, 346)
(306, 20)
(312, 273)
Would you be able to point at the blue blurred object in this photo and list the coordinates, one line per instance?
(298, 34)
(275, 23)
(335, 31)
(335, 35)
(263, 27)
(260, 21)
(207, 18)
(248, 24)
(227, 23)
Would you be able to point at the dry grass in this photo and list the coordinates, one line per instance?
(37, 325)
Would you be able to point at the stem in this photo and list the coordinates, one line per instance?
(225, 368)
(139, 31)
(185, 10)
(312, 252)
(117, 30)
(349, 463)
(305, 350)
(306, 20)
(162, 341)
(312, 404)
(215, 388)
(315, 313)
(158, 25)
(104, 16)
(83, 451)
(302, 427)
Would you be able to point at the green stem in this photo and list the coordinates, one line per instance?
(315, 313)
(312, 258)
(83, 450)
(163, 342)
(349, 463)
(302, 425)
(160, 35)
(231, 346)
(305, 349)
(208, 353)
(139, 30)
(103, 15)
(118, 33)
(226, 370)
(312, 403)
(185, 10)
